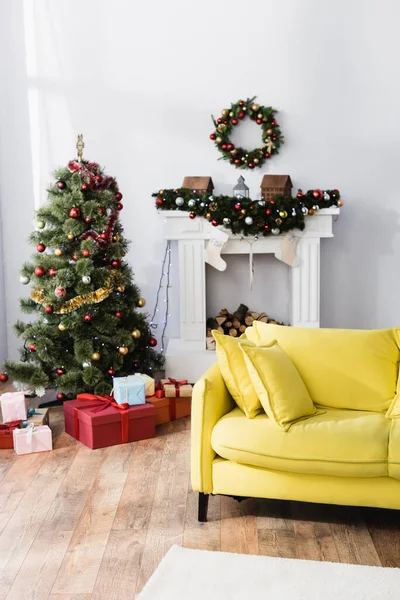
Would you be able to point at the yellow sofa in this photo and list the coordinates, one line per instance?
(348, 453)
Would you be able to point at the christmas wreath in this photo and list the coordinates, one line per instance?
(249, 217)
(231, 117)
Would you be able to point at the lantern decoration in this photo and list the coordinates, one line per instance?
(241, 190)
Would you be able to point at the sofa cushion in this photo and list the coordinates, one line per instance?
(233, 368)
(337, 442)
(278, 384)
(341, 368)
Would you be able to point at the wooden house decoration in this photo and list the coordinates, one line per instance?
(199, 184)
(276, 185)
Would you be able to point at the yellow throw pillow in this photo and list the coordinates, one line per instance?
(278, 384)
(233, 368)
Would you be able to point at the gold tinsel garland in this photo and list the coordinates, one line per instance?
(93, 298)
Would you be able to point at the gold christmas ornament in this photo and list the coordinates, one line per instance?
(218, 140)
(225, 112)
(340, 203)
(123, 350)
(136, 334)
(141, 302)
(208, 215)
(269, 132)
(259, 116)
(212, 206)
(96, 356)
(116, 238)
(278, 221)
(255, 107)
(283, 214)
(221, 127)
(161, 192)
(231, 114)
(58, 252)
(62, 327)
(256, 161)
(234, 152)
(121, 289)
(70, 236)
(311, 211)
(243, 211)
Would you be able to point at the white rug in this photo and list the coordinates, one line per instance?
(185, 574)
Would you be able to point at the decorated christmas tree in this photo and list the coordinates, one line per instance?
(89, 325)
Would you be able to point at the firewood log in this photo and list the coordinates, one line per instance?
(263, 319)
(228, 324)
(242, 328)
(233, 332)
(220, 330)
(240, 312)
(223, 312)
(212, 323)
(236, 323)
(248, 320)
(220, 320)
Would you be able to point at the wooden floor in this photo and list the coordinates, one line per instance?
(77, 524)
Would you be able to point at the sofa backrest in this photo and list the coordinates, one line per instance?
(342, 368)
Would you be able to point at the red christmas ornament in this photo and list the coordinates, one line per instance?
(267, 155)
(272, 201)
(111, 371)
(273, 123)
(266, 227)
(52, 272)
(98, 178)
(300, 194)
(214, 222)
(152, 342)
(237, 161)
(60, 292)
(119, 206)
(212, 136)
(118, 196)
(219, 120)
(60, 396)
(60, 371)
(317, 194)
(274, 138)
(224, 147)
(116, 264)
(85, 253)
(84, 187)
(242, 103)
(87, 220)
(48, 309)
(159, 202)
(102, 210)
(3, 377)
(268, 211)
(241, 115)
(119, 314)
(61, 185)
(230, 147)
(238, 206)
(32, 348)
(251, 165)
(192, 216)
(40, 247)
(235, 121)
(87, 318)
(75, 212)
(103, 236)
(259, 121)
(39, 271)
(75, 257)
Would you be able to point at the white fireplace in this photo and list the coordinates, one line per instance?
(187, 356)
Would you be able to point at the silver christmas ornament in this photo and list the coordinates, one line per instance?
(248, 221)
(261, 203)
(304, 210)
(202, 205)
(191, 203)
(226, 221)
(315, 207)
(275, 231)
(86, 279)
(179, 201)
(326, 196)
(24, 279)
(293, 212)
(86, 364)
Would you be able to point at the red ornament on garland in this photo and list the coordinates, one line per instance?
(214, 222)
(85, 253)
(60, 396)
(219, 120)
(3, 377)
(237, 161)
(118, 196)
(98, 178)
(266, 227)
(87, 318)
(224, 147)
(192, 216)
(103, 236)
(238, 206)
(102, 210)
(267, 155)
(212, 136)
(60, 372)
(84, 187)
(119, 314)
(111, 371)
(241, 115)
(32, 348)
(39, 271)
(116, 264)
(61, 185)
(75, 257)
(259, 121)
(272, 201)
(235, 121)
(152, 342)
(159, 202)
(251, 165)
(48, 309)
(230, 147)
(268, 211)
(52, 272)
(300, 194)
(75, 212)
(119, 206)
(273, 123)
(41, 247)
(317, 194)
(87, 220)
(242, 103)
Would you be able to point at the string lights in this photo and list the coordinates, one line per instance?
(164, 283)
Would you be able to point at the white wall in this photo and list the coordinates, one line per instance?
(140, 80)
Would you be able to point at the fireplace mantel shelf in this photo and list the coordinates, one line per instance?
(187, 355)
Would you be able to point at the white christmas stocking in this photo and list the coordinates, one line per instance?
(213, 250)
(287, 251)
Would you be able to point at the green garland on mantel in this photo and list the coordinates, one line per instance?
(249, 217)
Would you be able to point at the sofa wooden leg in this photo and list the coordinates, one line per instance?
(203, 507)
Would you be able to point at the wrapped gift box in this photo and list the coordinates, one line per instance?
(6, 434)
(36, 417)
(162, 406)
(98, 423)
(32, 439)
(172, 388)
(148, 382)
(13, 407)
(129, 390)
(169, 409)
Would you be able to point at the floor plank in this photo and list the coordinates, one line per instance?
(276, 535)
(239, 526)
(384, 529)
(81, 564)
(352, 538)
(314, 539)
(202, 536)
(7, 459)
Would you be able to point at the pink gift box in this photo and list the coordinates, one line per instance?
(13, 407)
(32, 439)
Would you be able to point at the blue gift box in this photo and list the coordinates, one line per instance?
(131, 389)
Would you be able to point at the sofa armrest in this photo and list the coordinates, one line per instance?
(211, 401)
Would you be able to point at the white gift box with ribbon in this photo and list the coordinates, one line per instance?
(13, 407)
(149, 383)
(32, 439)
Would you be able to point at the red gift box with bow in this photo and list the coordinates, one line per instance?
(6, 434)
(98, 421)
